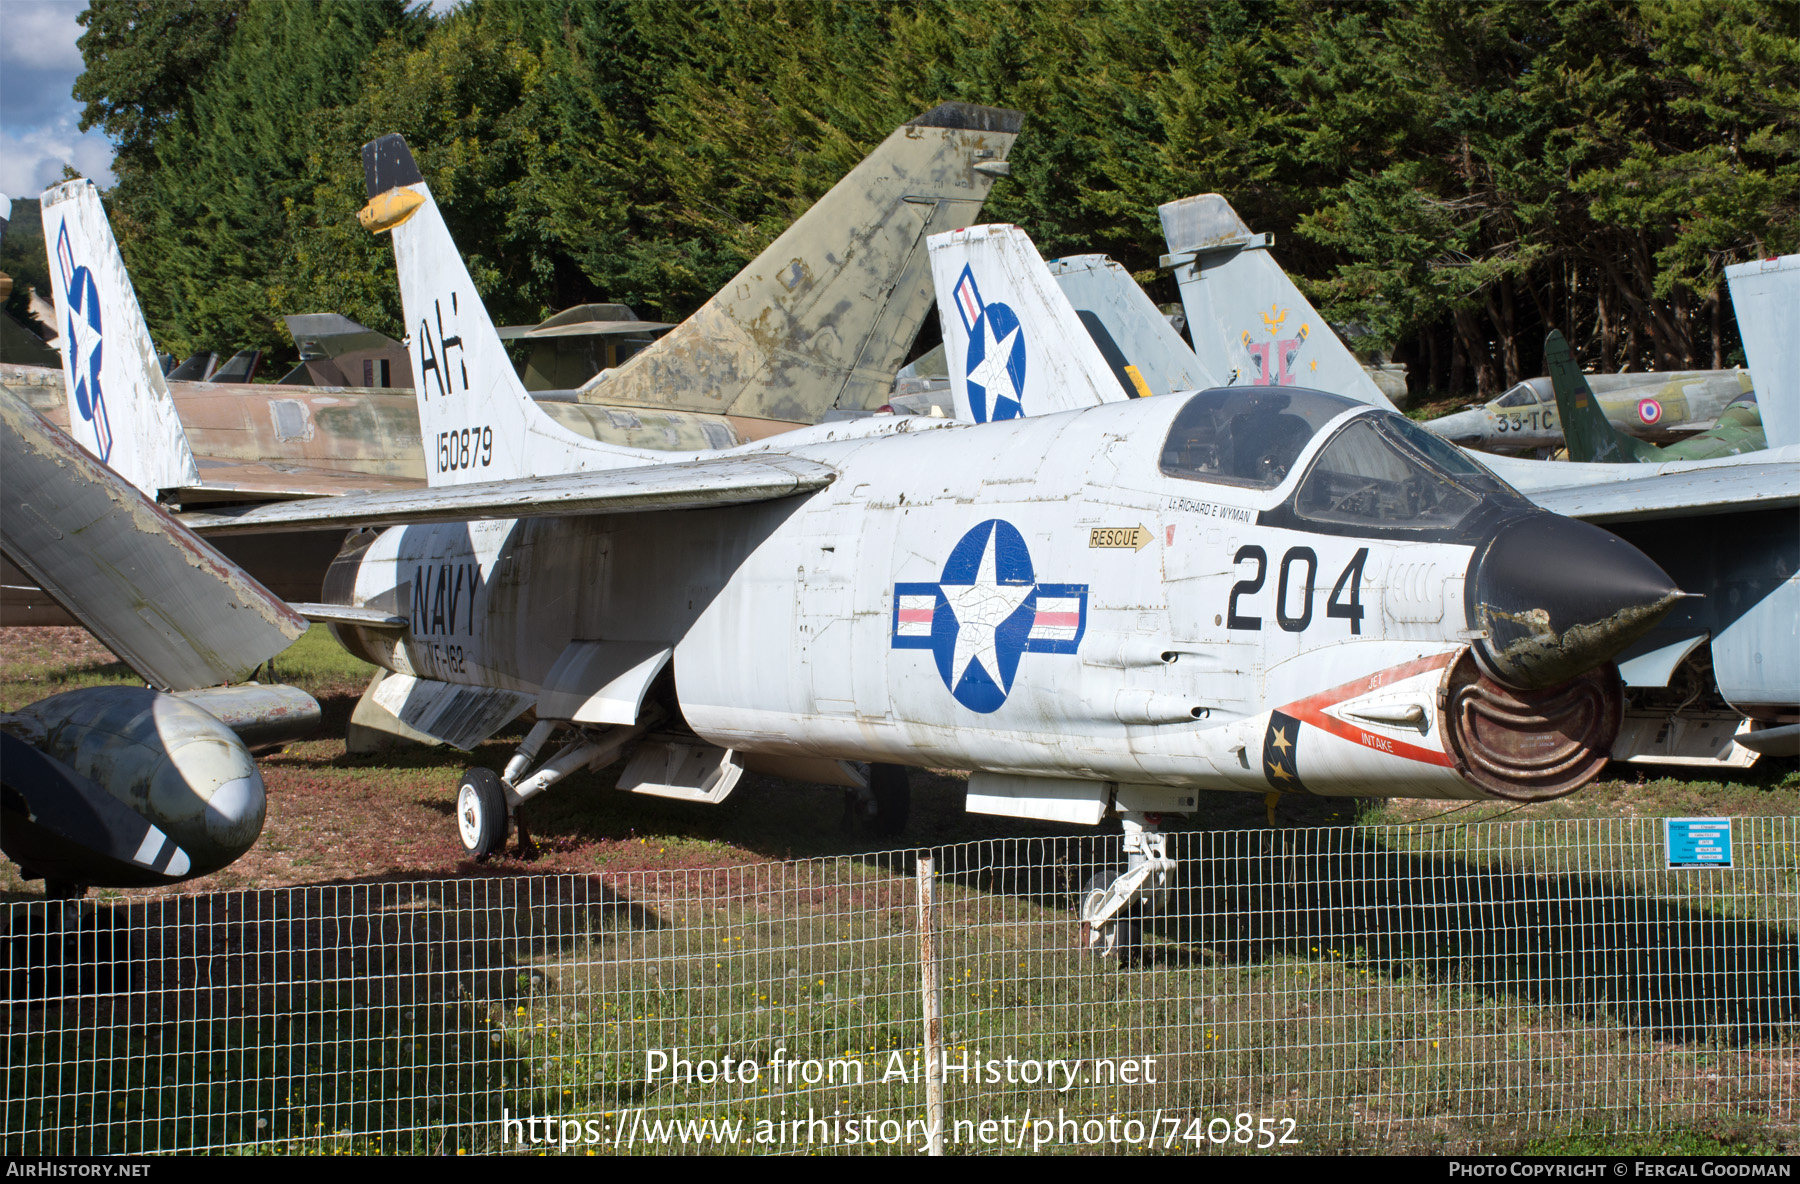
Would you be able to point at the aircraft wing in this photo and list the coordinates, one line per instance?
(1617, 493)
(175, 609)
(723, 481)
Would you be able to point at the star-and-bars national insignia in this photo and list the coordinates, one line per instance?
(82, 297)
(986, 613)
(995, 362)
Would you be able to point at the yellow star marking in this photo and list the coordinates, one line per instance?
(1282, 742)
(1314, 363)
(1276, 770)
(1273, 318)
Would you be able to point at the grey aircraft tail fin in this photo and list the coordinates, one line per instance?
(1764, 294)
(1248, 321)
(823, 318)
(1135, 337)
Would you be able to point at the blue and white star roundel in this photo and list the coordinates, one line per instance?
(985, 613)
(82, 297)
(995, 363)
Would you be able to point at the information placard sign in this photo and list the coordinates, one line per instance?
(1697, 842)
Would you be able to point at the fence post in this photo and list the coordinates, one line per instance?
(934, 1017)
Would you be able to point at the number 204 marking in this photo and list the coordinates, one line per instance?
(1346, 595)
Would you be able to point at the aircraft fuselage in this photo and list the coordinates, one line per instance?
(1037, 598)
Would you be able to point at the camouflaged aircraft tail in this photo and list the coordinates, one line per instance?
(1589, 434)
(822, 318)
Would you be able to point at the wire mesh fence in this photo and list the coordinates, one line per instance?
(1404, 988)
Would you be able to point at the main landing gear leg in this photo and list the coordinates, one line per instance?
(487, 807)
(1113, 905)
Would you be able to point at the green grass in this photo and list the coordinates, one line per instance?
(1388, 976)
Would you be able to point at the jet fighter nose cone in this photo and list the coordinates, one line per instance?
(1464, 427)
(1558, 597)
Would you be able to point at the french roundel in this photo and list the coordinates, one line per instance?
(1649, 410)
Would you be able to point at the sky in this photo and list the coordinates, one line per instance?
(39, 118)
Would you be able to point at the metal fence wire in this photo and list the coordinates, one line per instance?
(1396, 988)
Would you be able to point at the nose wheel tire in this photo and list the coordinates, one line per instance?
(1122, 937)
(481, 813)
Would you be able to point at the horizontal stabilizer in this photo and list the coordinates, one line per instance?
(685, 485)
(178, 612)
(1128, 327)
(256, 481)
(347, 614)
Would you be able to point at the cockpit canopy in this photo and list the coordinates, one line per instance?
(1522, 395)
(1248, 436)
(1379, 472)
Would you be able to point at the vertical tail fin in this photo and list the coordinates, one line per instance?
(1012, 340)
(119, 404)
(825, 315)
(1129, 329)
(475, 418)
(1248, 321)
(1764, 294)
(1588, 433)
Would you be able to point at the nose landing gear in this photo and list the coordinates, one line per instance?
(1114, 904)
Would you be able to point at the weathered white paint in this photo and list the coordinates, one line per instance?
(120, 407)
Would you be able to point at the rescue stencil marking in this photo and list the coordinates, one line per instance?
(995, 366)
(985, 613)
(1134, 537)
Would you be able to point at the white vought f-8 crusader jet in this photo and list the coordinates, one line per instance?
(1093, 606)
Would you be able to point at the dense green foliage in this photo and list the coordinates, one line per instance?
(1456, 178)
